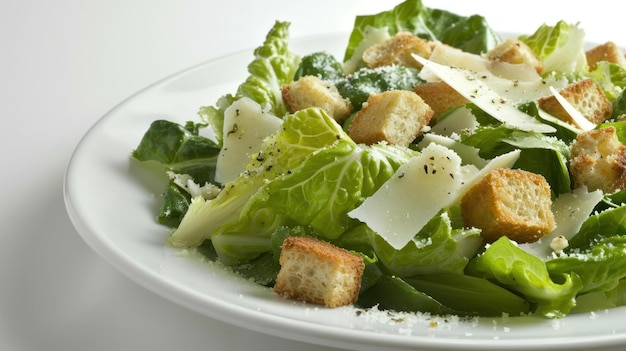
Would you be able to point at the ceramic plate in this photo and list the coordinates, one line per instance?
(113, 200)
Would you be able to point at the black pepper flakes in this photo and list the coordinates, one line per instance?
(233, 130)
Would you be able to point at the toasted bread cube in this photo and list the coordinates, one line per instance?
(509, 202)
(608, 51)
(396, 117)
(397, 50)
(586, 96)
(311, 91)
(318, 272)
(440, 97)
(517, 52)
(598, 161)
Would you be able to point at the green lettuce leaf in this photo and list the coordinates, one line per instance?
(310, 174)
(318, 193)
(468, 295)
(524, 273)
(405, 297)
(559, 47)
(601, 267)
(599, 226)
(612, 80)
(471, 34)
(303, 133)
(540, 154)
(358, 86)
(619, 108)
(273, 65)
(179, 149)
(437, 248)
(320, 64)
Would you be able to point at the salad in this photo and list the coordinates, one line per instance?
(249, 173)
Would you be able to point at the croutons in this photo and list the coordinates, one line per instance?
(318, 272)
(598, 161)
(509, 202)
(608, 51)
(311, 91)
(586, 96)
(517, 52)
(396, 117)
(397, 50)
(439, 96)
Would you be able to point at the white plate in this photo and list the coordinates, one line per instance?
(113, 200)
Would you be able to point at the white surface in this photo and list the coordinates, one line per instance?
(63, 65)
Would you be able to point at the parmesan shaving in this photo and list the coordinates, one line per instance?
(474, 87)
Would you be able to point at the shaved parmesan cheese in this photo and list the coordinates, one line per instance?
(579, 120)
(503, 161)
(479, 89)
(433, 180)
(185, 181)
(456, 122)
(468, 154)
(451, 56)
(409, 199)
(570, 211)
(245, 127)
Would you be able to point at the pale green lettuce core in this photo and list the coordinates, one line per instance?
(560, 47)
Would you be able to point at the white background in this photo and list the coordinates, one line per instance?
(63, 65)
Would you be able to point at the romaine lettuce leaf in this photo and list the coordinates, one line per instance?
(619, 108)
(601, 267)
(524, 273)
(468, 295)
(303, 133)
(310, 174)
(320, 64)
(274, 65)
(437, 248)
(358, 86)
(540, 154)
(559, 47)
(318, 193)
(471, 34)
(405, 297)
(606, 224)
(179, 149)
(612, 79)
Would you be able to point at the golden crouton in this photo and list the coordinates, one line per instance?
(608, 51)
(586, 96)
(311, 91)
(598, 161)
(396, 117)
(509, 202)
(397, 50)
(517, 52)
(317, 272)
(439, 96)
